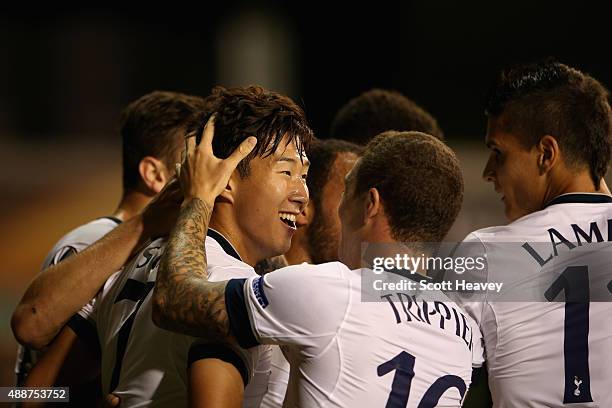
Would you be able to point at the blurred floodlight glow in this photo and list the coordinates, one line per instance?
(255, 47)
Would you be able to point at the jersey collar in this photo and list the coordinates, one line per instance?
(584, 198)
(225, 244)
(110, 217)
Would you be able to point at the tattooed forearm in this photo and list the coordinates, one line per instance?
(184, 301)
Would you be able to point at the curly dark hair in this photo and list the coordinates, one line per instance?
(551, 98)
(419, 180)
(253, 111)
(154, 125)
(377, 111)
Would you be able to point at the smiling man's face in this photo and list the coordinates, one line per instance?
(269, 199)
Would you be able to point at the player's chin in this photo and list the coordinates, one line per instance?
(283, 240)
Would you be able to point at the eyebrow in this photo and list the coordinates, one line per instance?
(292, 160)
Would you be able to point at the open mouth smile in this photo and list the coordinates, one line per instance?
(288, 219)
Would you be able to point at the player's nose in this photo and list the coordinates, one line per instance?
(488, 174)
(299, 195)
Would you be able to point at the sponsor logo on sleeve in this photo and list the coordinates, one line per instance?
(258, 291)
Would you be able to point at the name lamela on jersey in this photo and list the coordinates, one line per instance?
(559, 242)
(444, 315)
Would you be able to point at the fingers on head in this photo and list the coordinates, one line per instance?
(243, 150)
(190, 145)
(208, 132)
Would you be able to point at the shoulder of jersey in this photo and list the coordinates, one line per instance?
(223, 266)
(99, 224)
(91, 231)
(326, 270)
(516, 229)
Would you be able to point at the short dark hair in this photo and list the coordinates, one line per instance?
(152, 126)
(551, 98)
(419, 181)
(241, 112)
(377, 111)
(322, 153)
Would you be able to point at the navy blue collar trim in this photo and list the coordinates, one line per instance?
(580, 198)
(225, 244)
(114, 219)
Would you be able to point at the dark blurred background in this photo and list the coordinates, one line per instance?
(65, 75)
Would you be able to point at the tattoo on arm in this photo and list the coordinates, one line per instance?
(184, 300)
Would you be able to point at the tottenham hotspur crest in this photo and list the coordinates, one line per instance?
(577, 381)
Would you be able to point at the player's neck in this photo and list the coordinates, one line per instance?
(298, 254)
(225, 226)
(131, 204)
(578, 183)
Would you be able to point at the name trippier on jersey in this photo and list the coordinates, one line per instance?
(407, 285)
(434, 313)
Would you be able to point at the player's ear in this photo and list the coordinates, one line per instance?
(548, 153)
(233, 184)
(373, 205)
(153, 173)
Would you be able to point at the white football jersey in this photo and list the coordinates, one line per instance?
(148, 366)
(347, 353)
(71, 243)
(548, 336)
(279, 378)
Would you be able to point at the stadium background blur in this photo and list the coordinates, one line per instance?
(65, 75)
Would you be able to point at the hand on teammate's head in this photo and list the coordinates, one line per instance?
(202, 175)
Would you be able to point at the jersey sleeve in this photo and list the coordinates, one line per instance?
(258, 385)
(279, 380)
(474, 305)
(235, 356)
(253, 364)
(75, 242)
(297, 305)
(478, 349)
